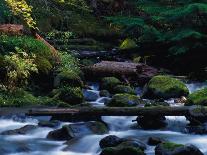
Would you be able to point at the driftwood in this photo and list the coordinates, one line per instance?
(139, 72)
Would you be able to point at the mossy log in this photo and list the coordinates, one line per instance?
(138, 72)
(116, 111)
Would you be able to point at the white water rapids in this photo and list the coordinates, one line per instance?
(35, 142)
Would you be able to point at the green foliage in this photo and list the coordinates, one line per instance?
(31, 46)
(68, 63)
(5, 13)
(22, 9)
(21, 98)
(177, 26)
(19, 66)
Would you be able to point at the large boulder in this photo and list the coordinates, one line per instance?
(165, 87)
(110, 141)
(198, 98)
(122, 151)
(76, 130)
(151, 122)
(104, 93)
(21, 131)
(109, 83)
(66, 78)
(114, 141)
(168, 148)
(113, 145)
(71, 95)
(124, 100)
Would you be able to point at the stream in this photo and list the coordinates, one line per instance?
(35, 142)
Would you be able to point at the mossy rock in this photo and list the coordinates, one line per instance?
(198, 98)
(128, 150)
(124, 100)
(170, 146)
(71, 95)
(67, 78)
(128, 44)
(104, 93)
(165, 87)
(109, 83)
(124, 89)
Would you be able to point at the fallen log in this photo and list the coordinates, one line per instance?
(138, 72)
(11, 29)
(112, 111)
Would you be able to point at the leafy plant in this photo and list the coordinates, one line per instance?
(19, 66)
(22, 9)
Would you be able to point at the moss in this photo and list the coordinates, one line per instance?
(124, 89)
(128, 44)
(104, 93)
(99, 127)
(71, 95)
(68, 78)
(20, 98)
(122, 151)
(124, 100)
(198, 98)
(109, 83)
(44, 65)
(171, 146)
(165, 87)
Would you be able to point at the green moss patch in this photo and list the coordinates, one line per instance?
(198, 98)
(165, 87)
(171, 146)
(124, 100)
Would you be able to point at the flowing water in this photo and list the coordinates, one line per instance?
(35, 142)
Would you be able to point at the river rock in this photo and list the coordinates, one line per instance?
(165, 87)
(21, 131)
(124, 100)
(114, 141)
(176, 149)
(197, 129)
(151, 122)
(108, 83)
(110, 141)
(76, 130)
(90, 95)
(154, 141)
(104, 93)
